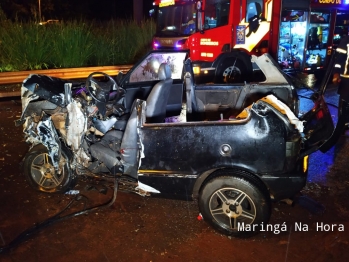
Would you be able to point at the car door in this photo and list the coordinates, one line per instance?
(319, 129)
(318, 126)
(139, 81)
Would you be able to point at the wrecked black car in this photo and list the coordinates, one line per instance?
(233, 147)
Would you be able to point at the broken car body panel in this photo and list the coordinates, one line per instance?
(252, 128)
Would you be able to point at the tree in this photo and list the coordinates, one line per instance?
(16, 9)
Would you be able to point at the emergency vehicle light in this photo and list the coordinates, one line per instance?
(181, 43)
(166, 3)
(156, 44)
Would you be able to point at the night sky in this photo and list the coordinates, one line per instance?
(72, 9)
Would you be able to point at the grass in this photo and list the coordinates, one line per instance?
(122, 42)
(23, 46)
(28, 46)
(72, 44)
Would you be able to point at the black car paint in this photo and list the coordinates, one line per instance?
(169, 166)
(260, 145)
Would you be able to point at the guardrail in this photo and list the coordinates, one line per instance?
(66, 73)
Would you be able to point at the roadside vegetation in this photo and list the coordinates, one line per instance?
(30, 46)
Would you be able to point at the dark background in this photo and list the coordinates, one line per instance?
(72, 9)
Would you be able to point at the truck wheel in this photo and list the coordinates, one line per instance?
(235, 205)
(232, 71)
(41, 175)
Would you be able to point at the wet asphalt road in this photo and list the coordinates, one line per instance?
(135, 228)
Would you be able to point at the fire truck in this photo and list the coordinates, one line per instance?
(220, 34)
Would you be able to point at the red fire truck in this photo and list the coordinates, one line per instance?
(220, 34)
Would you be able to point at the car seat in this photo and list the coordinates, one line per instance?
(158, 97)
(189, 87)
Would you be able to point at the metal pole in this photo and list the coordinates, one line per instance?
(39, 10)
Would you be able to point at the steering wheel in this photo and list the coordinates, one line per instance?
(99, 90)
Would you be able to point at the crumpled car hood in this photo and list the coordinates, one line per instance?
(45, 87)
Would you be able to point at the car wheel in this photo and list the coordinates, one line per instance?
(41, 175)
(234, 204)
(232, 71)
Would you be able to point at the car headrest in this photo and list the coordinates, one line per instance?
(164, 72)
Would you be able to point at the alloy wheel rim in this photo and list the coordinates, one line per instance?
(232, 208)
(44, 174)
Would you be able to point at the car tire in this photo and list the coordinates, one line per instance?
(235, 203)
(41, 175)
(232, 71)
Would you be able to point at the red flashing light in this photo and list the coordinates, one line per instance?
(320, 114)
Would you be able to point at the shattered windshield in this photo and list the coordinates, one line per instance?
(176, 20)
